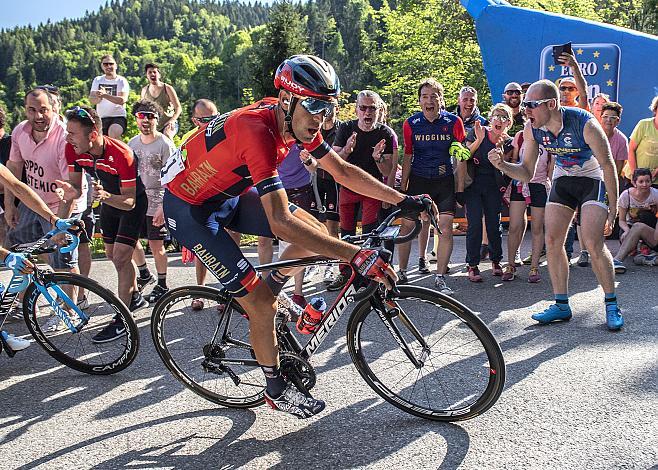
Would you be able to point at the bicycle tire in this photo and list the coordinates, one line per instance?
(463, 372)
(76, 349)
(193, 344)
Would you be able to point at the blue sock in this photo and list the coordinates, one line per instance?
(562, 301)
(610, 299)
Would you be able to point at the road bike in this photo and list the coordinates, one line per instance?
(64, 327)
(420, 350)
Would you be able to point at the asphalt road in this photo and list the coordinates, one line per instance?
(577, 396)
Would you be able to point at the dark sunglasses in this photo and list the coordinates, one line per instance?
(146, 115)
(316, 106)
(108, 63)
(513, 92)
(49, 88)
(568, 88)
(203, 120)
(535, 103)
(365, 108)
(81, 113)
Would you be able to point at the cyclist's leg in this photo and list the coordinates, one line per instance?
(444, 197)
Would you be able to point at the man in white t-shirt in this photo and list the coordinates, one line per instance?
(109, 92)
(610, 117)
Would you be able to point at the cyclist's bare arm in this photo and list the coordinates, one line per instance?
(357, 180)
(525, 170)
(25, 194)
(75, 182)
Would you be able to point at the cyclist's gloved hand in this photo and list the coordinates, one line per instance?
(373, 264)
(413, 205)
(65, 224)
(18, 263)
(459, 152)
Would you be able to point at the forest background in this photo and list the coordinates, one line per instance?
(227, 51)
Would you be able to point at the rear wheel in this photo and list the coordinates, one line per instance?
(203, 339)
(74, 344)
(460, 371)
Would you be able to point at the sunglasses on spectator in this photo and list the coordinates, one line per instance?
(146, 115)
(108, 63)
(365, 108)
(81, 113)
(203, 120)
(499, 117)
(513, 92)
(535, 103)
(315, 106)
(568, 88)
(49, 88)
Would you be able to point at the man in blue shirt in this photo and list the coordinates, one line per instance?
(584, 170)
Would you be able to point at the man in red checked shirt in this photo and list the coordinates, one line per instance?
(225, 177)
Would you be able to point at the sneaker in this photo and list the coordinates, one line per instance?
(441, 286)
(309, 273)
(295, 402)
(138, 303)
(542, 257)
(52, 324)
(197, 304)
(510, 273)
(553, 313)
(111, 332)
(613, 318)
(142, 282)
(423, 268)
(402, 277)
(84, 303)
(619, 266)
(14, 343)
(432, 257)
(517, 258)
(650, 260)
(474, 274)
(157, 292)
(484, 252)
(496, 269)
(299, 300)
(339, 282)
(583, 259)
(328, 277)
(534, 276)
(287, 308)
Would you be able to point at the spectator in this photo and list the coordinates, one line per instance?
(525, 86)
(164, 96)
(573, 89)
(427, 169)
(484, 195)
(327, 189)
(203, 111)
(5, 147)
(512, 97)
(467, 108)
(368, 145)
(597, 105)
(643, 147)
(638, 207)
(151, 150)
(610, 117)
(109, 92)
(122, 196)
(37, 146)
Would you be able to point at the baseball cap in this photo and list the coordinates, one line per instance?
(568, 80)
(512, 86)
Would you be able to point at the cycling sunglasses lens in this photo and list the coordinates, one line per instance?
(531, 104)
(314, 106)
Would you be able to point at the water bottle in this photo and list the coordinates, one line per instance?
(311, 316)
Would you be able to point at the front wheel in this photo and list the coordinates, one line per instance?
(459, 370)
(69, 331)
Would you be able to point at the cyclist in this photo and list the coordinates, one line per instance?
(225, 177)
(584, 170)
(16, 261)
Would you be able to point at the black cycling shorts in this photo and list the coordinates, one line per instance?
(538, 195)
(119, 226)
(441, 190)
(152, 232)
(576, 191)
(328, 191)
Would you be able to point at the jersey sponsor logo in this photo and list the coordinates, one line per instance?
(431, 137)
(415, 121)
(243, 265)
(567, 140)
(198, 177)
(211, 262)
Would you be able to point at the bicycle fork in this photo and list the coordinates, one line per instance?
(387, 309)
